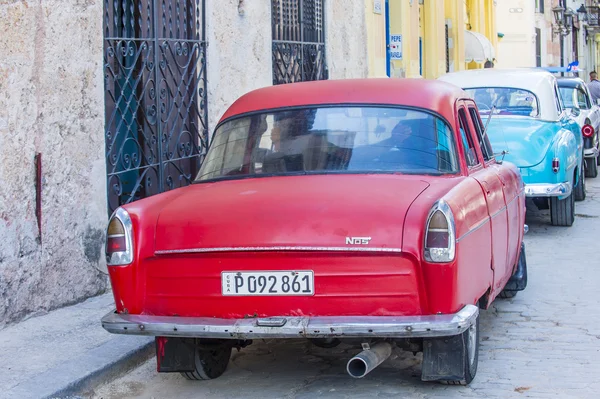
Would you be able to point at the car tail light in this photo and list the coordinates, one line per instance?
(555, 165)
(587, 130)
(119, 242)
(440, 234)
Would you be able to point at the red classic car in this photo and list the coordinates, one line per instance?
(370, 212)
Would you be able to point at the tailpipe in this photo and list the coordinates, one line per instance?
(366, 361)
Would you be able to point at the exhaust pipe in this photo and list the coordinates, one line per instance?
(366, 361)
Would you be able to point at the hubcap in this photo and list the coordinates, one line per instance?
(472, 342)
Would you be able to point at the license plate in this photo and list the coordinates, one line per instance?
(268, 283)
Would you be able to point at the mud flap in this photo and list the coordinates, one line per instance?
(174, 354)
(444, 358)
(518, 281)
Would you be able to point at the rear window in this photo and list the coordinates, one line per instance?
(568, 96)
(331, 140)
(508, 101)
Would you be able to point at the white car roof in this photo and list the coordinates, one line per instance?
(539, 82)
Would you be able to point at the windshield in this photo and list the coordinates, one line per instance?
(567, 95)
(508, 101)
(331, 139)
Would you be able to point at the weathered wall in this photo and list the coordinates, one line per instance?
(346, 39)
(238, 53)
(240, 40)
(51, 102)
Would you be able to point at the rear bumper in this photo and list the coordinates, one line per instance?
(590, 152)
(548, 190)
(293, 327)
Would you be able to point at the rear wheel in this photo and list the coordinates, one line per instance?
(579, 189)
(562, 212)
(518, 281)
(452, 360)
(209, 363)
(591, 167)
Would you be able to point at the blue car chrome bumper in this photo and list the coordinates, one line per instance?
(548, 189)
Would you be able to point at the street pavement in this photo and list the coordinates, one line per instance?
(544, 343)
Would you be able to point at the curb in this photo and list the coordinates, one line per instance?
(81, 375)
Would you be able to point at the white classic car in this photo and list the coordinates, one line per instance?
(575, 95)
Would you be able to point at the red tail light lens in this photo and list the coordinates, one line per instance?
(115, 237)
(119, 242)
(587, 130)
(555, 165)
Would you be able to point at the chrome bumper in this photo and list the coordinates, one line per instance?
(590, 152)
(548, 190)
(293, 327)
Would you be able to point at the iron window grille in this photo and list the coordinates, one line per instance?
(155, 96)
(298, 41)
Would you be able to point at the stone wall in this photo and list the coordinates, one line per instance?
(51, 102)
(238, 53)
(239, 47)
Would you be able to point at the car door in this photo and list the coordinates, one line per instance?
(492, 187)
(509, 178)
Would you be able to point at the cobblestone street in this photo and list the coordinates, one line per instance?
(544, 343)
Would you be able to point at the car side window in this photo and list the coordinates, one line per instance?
(582, 100)
(484, 143)
(557, 100)
(465, 135)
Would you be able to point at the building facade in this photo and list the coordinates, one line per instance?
(427, 38)
(105, 102)
(549, 33)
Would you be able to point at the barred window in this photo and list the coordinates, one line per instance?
(298, 41)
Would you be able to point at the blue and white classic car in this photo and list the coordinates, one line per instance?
(575, 95)
(534, 130)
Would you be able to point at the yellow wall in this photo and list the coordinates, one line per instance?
(375, 40)
(455, 12)
(427, 21)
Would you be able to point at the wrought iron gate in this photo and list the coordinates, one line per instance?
(155, 96)
(298, 41)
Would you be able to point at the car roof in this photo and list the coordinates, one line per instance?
(537, 81)
(570, 82)
(433, 95)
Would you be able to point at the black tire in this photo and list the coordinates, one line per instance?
(452, 360)
(518, 281)
(591, 167)
(579, 189)
(507, 294)
(472, 355)
(209, 363)
(562, 212)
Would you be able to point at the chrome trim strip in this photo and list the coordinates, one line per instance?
(262, 249)
(293, 327)
(590, 152)
(499, 211)
(548, 190)
(474, 229)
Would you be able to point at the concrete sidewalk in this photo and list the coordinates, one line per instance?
(66, 352)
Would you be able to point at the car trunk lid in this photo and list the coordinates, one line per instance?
(293, 212)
